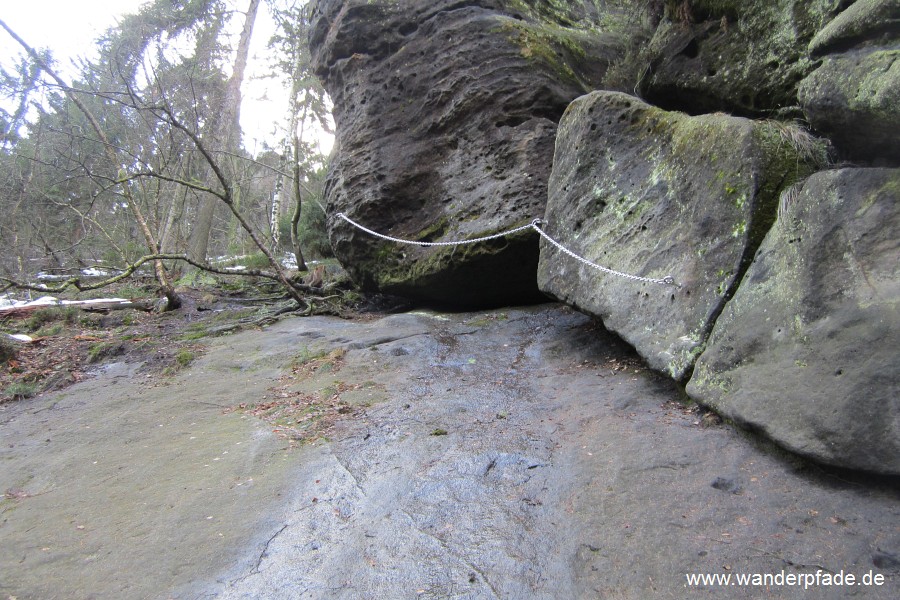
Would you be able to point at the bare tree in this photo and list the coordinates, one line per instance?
(121, 161)
(173, 301)
(224, 132)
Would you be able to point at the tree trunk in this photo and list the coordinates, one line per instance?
(23, 193)
(173, 301)
(295, 137)
(167, 235)
(224, 134)
(295, 217)
(275, 213)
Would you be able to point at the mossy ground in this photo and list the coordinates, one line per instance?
(70, 342)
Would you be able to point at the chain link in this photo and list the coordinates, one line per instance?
(415, 243)
(667, 280)
(535, 224)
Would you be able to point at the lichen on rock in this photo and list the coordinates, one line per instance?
(806, 351)
(744, 58)
(655, 193)
(854, 96)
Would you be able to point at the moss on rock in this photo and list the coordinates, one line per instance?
(741, 57)
(854, 98)
(654, 193)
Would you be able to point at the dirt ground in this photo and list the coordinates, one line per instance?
(71, 342)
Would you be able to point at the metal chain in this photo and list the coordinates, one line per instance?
(667, 280)
(535, 224)
(415, 243)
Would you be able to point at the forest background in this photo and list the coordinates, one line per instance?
(134, 155)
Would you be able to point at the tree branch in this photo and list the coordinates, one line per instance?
(161, 274)
(76, 283)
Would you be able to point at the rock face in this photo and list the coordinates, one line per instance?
(864, 22)
(656, 193)
(807, 350)
(446, 116)
(450, 113)
(854, 97)
(737, 56)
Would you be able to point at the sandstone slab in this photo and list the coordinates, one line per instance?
(656, 193)
(807, 350)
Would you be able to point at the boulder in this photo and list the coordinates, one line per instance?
(807, 350)
(864, 22)
(738, 56)
(446, 115)
(854, 96)
(656, 193)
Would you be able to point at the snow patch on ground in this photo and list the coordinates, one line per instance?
(8, 302)
(88, 272)
(20, 337)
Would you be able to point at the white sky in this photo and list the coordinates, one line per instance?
(69, 28)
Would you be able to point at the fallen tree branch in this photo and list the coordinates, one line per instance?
(87, 305)
(76, 282)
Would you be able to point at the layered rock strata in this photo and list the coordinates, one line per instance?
(446, 116)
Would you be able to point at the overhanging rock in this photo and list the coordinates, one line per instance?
(446, 115)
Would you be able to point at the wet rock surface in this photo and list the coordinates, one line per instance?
(117, 487)
(521, 453)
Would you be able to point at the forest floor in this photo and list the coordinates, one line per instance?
(69, 343)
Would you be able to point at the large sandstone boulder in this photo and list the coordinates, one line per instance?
(854, 97)
(656, 193)
(745, 57)
(807, 350)
(864, 22)
(446, 115)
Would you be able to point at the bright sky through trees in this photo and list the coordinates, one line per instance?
(69, 29)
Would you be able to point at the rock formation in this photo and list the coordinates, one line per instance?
(655, 193)
(675, 159)
(446, 114)
(806, 351)
(854, 97)
(741, 57)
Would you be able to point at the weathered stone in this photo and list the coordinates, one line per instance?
(655, 193)
(737, 56)
(872, 22)
(854, 97)
(807, 350)
(446, 115)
